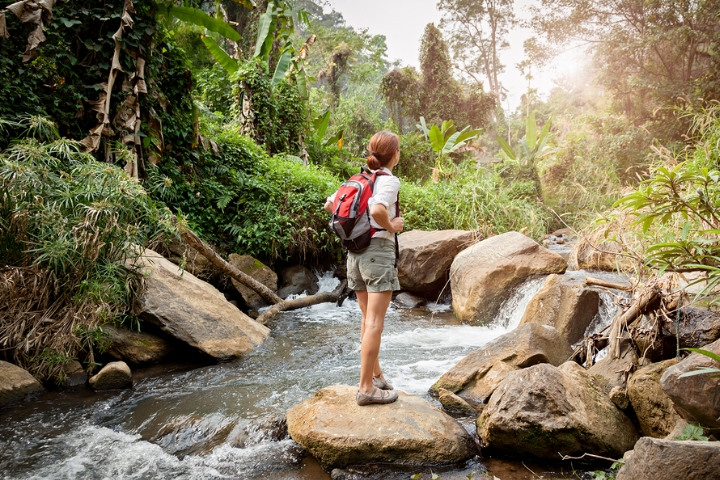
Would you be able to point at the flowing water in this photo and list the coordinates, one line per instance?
(220, 421)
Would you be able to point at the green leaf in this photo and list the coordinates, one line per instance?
(320, 124)
(466, 134)
(225, 60)
(265, 28)
(282, 66)
(437, 139)
(301, 81)
(506, 148)
(202, 19)
(707, 353)
(530, 131)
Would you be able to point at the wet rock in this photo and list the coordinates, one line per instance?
(296, 280)
(543, 411)
(614, 372)
(16, 384)
(195, 312)
(114, 375)
(477, 375)
(566, 303)
(338, 433)
(258, 271)
(425, 259)
(653, 408)
(454, 404)
(697, 397)
(659, 459)
(408, 300)
(482, 276)
(136, 348)
(696, 327)
(73, 375)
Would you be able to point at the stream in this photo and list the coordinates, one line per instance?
(220, 421)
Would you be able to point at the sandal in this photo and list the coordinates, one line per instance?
(382, 384)
(385, 396)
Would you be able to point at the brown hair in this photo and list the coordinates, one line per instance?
(381, 149)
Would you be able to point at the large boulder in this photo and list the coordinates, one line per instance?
(482, 276)
(477, 375)
(258, 271)
(659, 459)
(180, 253)
(566, 303)
(296, 280)
(136, 348)
(195, 312)
(338, 433)
(114, 375)
(16, 384)
(694, 328)
(697, 397)
(653, 408)
(425, 259)
(543, 411)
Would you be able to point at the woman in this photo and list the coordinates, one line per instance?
(372, 273)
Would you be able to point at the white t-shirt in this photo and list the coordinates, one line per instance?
(385, 193)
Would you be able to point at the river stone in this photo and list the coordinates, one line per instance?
(338, 433)
(180, 253)
(112, 376)
(697, 327)
(16, 384)
(477, 375)
(408, 300)
(483, 276)
(566, 303)
(653, 408)
(136, 348)
(613, 372)
(297, 280)
(543, 411)
(659, 459)
(73, 374)
(425, 259)
(696, 398)
(258, 271)
(195, 312)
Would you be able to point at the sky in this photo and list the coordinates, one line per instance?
(403, 23)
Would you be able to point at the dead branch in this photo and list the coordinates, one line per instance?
(284, 305)
(648, 296)
(207, 252)
(278, 304)
(568, 457)
(603, 283)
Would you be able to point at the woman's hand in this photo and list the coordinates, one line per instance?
(398, 224)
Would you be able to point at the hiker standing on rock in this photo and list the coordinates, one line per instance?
(372, 272)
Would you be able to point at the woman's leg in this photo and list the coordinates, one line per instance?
(371, 331)
(362, 298)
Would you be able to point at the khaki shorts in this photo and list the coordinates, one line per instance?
(373, 269)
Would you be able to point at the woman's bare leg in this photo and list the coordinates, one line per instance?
(362, 298)
(371, 331)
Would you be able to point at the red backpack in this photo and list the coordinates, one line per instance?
(350, 213)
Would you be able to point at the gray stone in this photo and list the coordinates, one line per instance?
(546, 411)
(483, 276)
(258, 271)
(566, 303)
(338, 433)
(697, 397)
(653, 408)
(425, 259)
(477, 375)
(659, 459)
(136, 348)
(297, 280)
(195, 312)
(114, 375)
(16, 384)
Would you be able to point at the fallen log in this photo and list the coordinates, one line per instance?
(278, 304)
(336, 296)
(648, 296)
(207, 252)
(603, 283)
